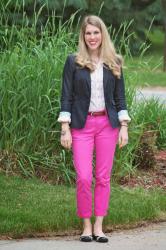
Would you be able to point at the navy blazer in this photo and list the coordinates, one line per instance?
(76, 93)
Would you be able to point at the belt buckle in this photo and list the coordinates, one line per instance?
(91, 113)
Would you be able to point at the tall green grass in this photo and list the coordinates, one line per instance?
(147, 115)
(31, 69)
(30, 83)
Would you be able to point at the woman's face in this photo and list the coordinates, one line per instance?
(93, 37)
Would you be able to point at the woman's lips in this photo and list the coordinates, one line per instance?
(92, 43)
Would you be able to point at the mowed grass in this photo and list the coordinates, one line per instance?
(149, 68)
(29, 206)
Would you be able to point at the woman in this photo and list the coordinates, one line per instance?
(93, 117)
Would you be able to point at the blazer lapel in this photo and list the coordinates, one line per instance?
(105, 76)
(88, 78)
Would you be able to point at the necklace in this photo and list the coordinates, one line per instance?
(95, 62)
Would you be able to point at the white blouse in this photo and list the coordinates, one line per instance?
(97, 102)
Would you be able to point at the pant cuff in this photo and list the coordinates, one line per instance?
(100, 214)
(84, 215)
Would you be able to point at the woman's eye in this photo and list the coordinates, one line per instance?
(90, 33)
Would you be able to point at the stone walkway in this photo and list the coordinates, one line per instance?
(156, 92)
(152, 237)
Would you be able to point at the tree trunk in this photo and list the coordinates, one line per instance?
(164, 10)
(164, 65)
(141, 4)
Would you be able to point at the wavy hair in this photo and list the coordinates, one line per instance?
(107, 50)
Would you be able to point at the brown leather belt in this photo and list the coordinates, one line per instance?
(97, 113)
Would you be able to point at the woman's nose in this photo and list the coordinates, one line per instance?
(92, 35)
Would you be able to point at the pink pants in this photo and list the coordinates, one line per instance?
(99, 135)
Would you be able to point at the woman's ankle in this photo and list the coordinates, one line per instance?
(98, 231)
(97, 228)
(87, 226)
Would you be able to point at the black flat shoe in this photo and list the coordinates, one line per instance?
(86, 238)
(102, 239)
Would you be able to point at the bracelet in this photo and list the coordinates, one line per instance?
(124, 125)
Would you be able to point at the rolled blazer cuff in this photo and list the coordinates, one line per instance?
(64, 117)
(123, 116)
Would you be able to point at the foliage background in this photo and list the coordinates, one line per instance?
(114, 13)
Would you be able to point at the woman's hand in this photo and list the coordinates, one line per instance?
(123, 136)
(66, 138)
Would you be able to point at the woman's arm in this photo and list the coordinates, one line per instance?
(66, 139)
(67, 84)
(66, 102)
(120, 101)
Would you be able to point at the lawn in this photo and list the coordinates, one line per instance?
(29, 207)
(149, 68)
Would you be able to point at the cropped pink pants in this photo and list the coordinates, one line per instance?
(97, 135)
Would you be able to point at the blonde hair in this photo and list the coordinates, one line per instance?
(107, 50)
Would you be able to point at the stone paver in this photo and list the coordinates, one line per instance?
(156, 92)
(152, 237)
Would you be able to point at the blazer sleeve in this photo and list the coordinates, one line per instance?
(120, 99)
(67, 84)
